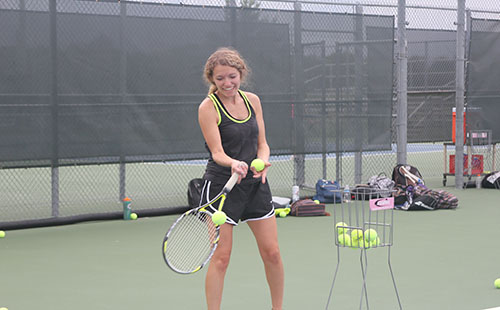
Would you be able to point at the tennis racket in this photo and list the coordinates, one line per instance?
(192, 239)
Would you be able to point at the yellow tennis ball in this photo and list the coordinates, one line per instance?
(4, 308)
(282, 214)
(370, 235)
(2, 234)
(219, 217)
(133, 216)
(258, 164)
(497, 283)
(316, 201)
(363, 244)
(354, 243)
(345, 239)
(341, 229)
(356, 234)
(375, 243)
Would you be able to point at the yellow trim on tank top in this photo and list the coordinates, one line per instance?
(214, 101)
(245, 99)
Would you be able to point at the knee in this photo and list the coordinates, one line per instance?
(221, 262)
(272, 256)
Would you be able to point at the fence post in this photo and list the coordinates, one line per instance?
(298, 109)
(338, 128)
(123, 95)
(358, 90)
(459, 99)
(402, 99)
(323, 108)
(231, 18)
(54, 109)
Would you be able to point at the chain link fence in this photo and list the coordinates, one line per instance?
(128, 79)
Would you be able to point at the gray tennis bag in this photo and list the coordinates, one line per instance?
(382, 184)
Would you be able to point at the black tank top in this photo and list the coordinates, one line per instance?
(239, 141)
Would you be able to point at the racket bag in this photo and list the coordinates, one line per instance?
(423, 198)
(401, 178)
(194, 192)
(491, 180)
(307, 207)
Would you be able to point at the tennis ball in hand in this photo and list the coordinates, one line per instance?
(497, 283)
(133, 216)
(341, 230)
(345, 239)
(219, 217)
(258, 164)
(370, 235)
(2, 233)
(316, 201)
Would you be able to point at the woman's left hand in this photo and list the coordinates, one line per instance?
(261, 174)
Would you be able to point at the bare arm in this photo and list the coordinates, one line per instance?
(263, 150)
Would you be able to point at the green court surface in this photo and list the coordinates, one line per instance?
(441, 260)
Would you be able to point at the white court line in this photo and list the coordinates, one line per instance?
(496, 308)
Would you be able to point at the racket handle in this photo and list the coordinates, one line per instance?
(230, 184)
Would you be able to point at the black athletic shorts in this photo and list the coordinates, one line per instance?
(246, 202)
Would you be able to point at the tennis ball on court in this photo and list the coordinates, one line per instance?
(345, 239)
(497, 283)
(316, 201)
(219, 217)
(356, 234)
(341, 230)
(2, 234)
(133, 216)
(258, 164)
(370, 235)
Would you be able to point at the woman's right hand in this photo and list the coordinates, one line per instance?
(239, 167)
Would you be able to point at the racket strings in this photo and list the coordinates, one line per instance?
(191, 241)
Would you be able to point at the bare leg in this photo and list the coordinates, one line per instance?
(266, 234)
(214, 281)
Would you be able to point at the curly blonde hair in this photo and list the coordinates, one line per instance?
(227, 57)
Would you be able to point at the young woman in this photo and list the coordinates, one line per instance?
(233, 127)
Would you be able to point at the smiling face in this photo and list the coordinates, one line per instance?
(227, 79)
(225, 70)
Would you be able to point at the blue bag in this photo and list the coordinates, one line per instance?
(328, 191)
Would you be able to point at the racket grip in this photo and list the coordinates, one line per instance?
(230, 184)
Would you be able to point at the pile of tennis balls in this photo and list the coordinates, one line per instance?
(356, 238)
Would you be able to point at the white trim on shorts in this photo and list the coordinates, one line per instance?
(270, 214)
(229, 220)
